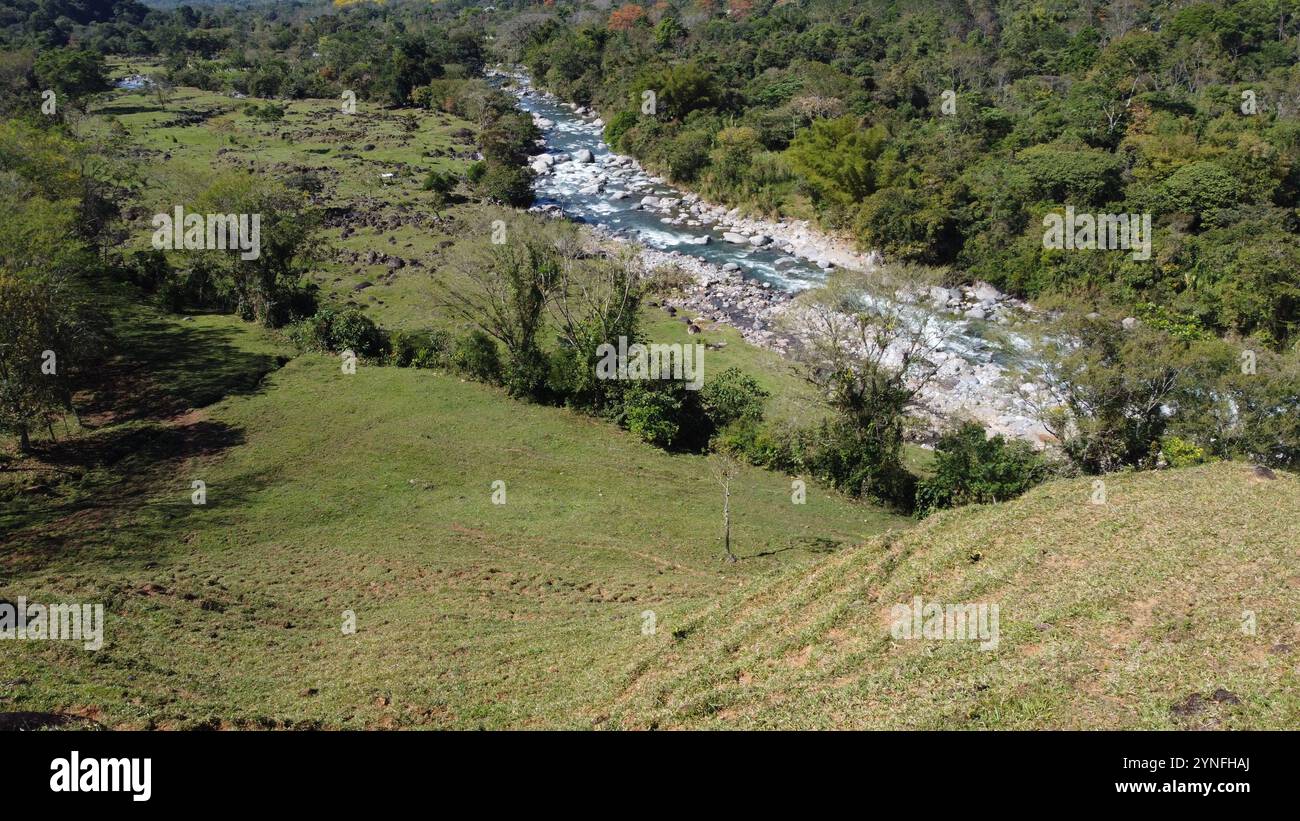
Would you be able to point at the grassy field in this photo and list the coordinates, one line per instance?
(1131, 614)
(370, 164)
(372, 493)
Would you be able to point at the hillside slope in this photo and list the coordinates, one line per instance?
(1123, 615)
(369, 493)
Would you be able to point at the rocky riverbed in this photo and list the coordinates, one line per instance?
(746, 272)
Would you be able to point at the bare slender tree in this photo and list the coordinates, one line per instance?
(725, 468)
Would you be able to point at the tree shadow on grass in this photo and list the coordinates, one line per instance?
(134, 493)
(166, 368)
(124, 110)
(141, 431)
(27, 721)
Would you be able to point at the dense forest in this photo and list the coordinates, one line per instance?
(289, 50)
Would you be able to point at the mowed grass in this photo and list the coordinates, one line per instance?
(372, 493)
(1172, 606)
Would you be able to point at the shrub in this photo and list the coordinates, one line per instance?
(971, 468)
(907, 224)
(668, 280)
(857, 462)
(507, 184)
(185, 287)
(732, 396)
(308, 182)
(340, 329)
(653, 413)
(440, 182)
(772, 446)
(1180, 453)
(527, 373)
(687, 154)
(270, 112)
(431, 349)
(618, 126)
(149, 270)
(476, 355)
(666, 415)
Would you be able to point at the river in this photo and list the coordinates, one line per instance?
(612, 191)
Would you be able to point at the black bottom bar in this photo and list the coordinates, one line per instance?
(334, 770)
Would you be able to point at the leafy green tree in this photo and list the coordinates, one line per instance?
(74, 75)
(509, 286)
(731, 160)
(1244, 404)
(678, 91)
(506, 184)
(668, 32)
(1079, 177)
(1111, 389)
(594, 303)
(906, 224)
(42, 335)
(618, 126)
(269, 287)
(1198, 188)
(837, 158)
(687, 154)
(869, 358)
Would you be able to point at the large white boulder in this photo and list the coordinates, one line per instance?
(984, 292)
